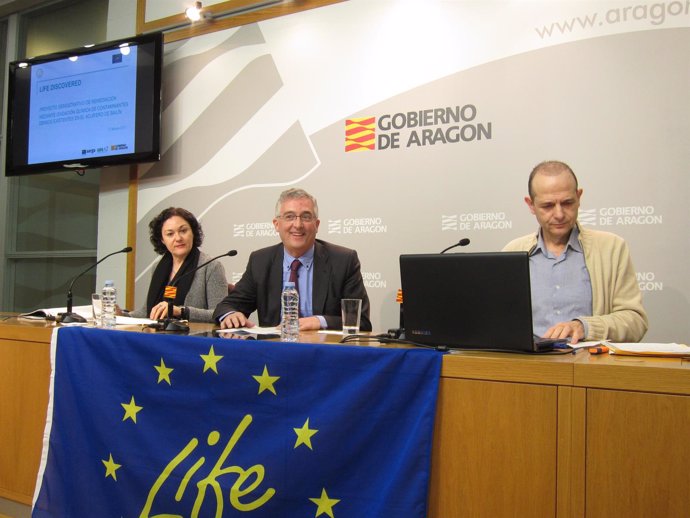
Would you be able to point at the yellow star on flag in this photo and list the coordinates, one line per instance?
(111, 467)
(304, 435)
(163, 372)
(325, 504)
(266, 382)
(210, 360)
(131, 410)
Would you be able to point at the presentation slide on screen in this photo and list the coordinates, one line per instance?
(83, 108)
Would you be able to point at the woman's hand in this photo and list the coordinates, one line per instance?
(160, 311)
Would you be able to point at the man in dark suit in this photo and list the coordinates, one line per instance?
(325, 273)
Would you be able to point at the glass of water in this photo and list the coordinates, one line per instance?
(351, 312)
(97, 307)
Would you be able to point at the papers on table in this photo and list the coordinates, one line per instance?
(638, 349)
(84, 311)
(52, 313)
(649, 349)
(256, 330)
(131, 321)
(39, 314)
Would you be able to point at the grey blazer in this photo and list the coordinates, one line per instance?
(208, 288)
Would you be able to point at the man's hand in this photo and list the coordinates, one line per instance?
(309, 324)
(234, 320)
(573, 329)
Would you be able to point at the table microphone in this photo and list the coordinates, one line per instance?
(171, 323)
(69, 317)
(463, 242)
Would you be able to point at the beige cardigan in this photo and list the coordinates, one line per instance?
(616, 298)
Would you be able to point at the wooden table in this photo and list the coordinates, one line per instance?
(568, 437)
(24, 382)
(516, 436)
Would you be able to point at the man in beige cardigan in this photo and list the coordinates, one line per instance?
(583, 281)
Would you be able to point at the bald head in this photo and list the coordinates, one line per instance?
(549, 168)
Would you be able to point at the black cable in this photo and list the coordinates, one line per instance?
(387, 339)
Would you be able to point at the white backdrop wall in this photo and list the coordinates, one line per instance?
(457, 101)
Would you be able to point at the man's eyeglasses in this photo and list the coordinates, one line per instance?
(290, 217)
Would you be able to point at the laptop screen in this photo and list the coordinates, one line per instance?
(468, 300)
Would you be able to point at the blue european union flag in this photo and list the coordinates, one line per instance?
(146, 425)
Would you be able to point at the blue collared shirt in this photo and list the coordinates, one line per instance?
(305, 282)
(561, 287)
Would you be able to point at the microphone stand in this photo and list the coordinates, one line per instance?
(69, 316)
(172, 323)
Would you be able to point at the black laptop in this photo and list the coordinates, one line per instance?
(469, 300)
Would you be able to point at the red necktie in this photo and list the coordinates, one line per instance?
(293, 272)
(294, 266)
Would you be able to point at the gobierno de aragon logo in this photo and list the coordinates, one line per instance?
(360, 134)
(430, 127)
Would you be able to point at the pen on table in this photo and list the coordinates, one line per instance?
(599, 349)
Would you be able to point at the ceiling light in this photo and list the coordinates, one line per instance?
(194, 12)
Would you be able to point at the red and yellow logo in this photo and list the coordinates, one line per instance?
(170, 292)
(360, 134)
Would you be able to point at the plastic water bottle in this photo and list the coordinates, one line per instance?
(109, 300)
(289, 325)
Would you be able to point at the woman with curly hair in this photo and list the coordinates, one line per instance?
(176, 235)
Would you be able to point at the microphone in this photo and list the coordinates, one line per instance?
(463, 242)
(171, 323)
(69, 317)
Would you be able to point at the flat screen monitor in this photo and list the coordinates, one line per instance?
(83, 108)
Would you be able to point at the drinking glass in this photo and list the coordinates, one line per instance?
(351, 313)
(97, 307)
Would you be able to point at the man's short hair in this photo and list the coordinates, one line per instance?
(295, 194)
(551, 167)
